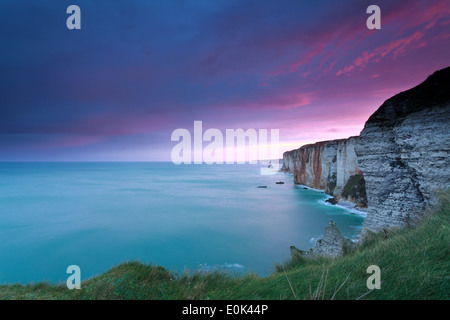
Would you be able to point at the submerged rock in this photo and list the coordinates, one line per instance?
(262, 187)
(279, 182)
(333, 200)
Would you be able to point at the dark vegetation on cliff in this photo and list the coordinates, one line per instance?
(355, 189)
(432, 92)
(414, 264)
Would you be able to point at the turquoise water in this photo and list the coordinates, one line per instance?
(96, 215)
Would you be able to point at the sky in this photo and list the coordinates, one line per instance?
(116, 89)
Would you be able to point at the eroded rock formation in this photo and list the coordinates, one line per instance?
(331, 245)
(328, 165)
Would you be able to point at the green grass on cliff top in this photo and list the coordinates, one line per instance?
(414, 264)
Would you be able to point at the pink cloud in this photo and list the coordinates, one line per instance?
(305, 59)
(279, 101)
(364, 59)
(332, 64)
(396, 47)
(345, 70)
(415, 14)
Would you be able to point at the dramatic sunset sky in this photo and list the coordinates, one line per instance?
(137, 70)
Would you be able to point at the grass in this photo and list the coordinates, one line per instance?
(414, 264)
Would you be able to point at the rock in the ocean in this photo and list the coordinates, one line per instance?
(333, 200)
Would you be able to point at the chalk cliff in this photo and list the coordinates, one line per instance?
(328, 165)
(395, 167)
(404, 153)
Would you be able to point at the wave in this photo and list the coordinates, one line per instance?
(309, 188)
(236, 267)
(313, 240)
(346, 205)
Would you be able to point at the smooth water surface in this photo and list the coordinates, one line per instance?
(97, 215)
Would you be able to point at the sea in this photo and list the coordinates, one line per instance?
(186, 218)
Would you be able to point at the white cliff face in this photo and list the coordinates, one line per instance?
(346, 162)
(328, 165)
(404, 153)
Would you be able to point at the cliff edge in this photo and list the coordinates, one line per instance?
(404, 150)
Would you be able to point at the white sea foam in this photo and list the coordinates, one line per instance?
(226, 266)
(234, 265)
(347, 205)
(301, 186)
(350, 208)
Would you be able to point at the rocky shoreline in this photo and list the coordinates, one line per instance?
(393, 170)
(330, 166)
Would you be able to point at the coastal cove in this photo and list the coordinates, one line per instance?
(195, 217)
